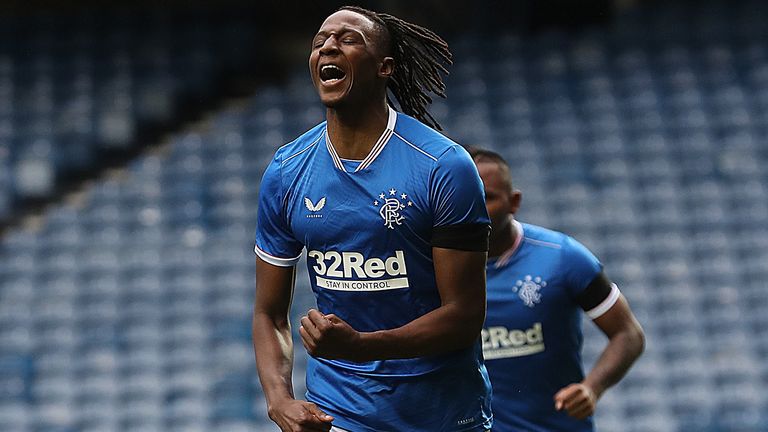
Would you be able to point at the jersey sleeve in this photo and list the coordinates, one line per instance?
(581, 266)
(275, 242)
(588, 284)
(458, 203)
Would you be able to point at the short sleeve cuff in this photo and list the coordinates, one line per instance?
(276, 261)
(605, 305)
(467, 237)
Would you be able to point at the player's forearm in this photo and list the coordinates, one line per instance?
(273, 347)
(456, 324)
(619, 355)
(448, 328)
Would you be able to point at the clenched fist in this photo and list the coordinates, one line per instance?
(330, 337)
(578, 400)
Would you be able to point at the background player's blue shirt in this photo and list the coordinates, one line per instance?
(532, 336)
(367, 227)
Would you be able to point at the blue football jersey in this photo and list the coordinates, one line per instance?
(367, 227)
(532, 335)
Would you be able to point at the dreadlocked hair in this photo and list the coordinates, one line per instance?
(420, 56)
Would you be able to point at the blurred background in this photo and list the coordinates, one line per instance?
(133, 137)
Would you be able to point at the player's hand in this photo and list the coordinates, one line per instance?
(328, 336)
(294, 415)
(578, 400)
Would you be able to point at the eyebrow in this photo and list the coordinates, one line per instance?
(342, 30)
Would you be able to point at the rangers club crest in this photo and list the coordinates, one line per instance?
(391, 205)
(528, 290)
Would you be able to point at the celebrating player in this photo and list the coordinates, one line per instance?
(393, 219)
(538, 282)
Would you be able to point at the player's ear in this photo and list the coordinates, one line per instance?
(387, 67)
(515, 198)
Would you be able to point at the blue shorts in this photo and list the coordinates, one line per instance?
(446, 400)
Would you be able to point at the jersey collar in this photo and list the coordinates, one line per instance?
(509, 253)
(375, 150)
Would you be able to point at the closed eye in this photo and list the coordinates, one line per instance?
(318, 42)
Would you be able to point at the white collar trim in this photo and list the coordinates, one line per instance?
(506, 256)
(375, 150)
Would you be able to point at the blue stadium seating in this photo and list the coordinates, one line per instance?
(82, 85)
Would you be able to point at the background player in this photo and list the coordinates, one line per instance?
(539, 281)
(392, 215)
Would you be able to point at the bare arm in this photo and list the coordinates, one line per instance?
(456, 324)
(273, 347)
(271, 329)
(626, 342)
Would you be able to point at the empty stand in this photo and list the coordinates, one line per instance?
(75, 88)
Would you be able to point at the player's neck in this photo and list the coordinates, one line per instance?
(354, 131)
(502, 240)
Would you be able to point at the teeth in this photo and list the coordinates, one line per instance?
(326, 67)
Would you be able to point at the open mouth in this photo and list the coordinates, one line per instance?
(331, 74)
